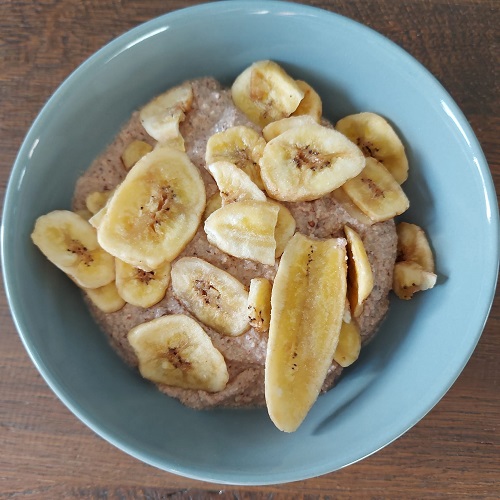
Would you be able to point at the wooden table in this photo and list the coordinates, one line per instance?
(46, 453)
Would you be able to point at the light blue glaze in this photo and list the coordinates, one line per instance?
(422, 346)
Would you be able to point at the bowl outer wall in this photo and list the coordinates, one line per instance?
(422, 346)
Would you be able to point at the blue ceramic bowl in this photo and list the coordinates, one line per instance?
(422, 346)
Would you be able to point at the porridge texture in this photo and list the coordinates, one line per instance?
(213, 111)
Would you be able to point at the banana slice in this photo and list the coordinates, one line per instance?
(307, 162)
(175, 350)
(70, 243)
(307, 306)
(97, 200)
(259, 304)
(413, 245)
(359, 272)
(245, 230)
(276, 128)
(142, 288)
(349, 345)
(161, 116)
(349, 206)
(409, 277)
(215, 297)
(265, 93)
(84, 213)
(134, 152)
(155, 211)
(213, 204)
(311, 103)
(285, 227)
(377, 139)
(234, 184)
(376, 192)
(106, 297)
(240, 145)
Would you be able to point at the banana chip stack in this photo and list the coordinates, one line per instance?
(236, 247)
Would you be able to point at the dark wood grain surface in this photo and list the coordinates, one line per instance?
(46, 453)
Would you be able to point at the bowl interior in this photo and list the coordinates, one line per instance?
(421, 347)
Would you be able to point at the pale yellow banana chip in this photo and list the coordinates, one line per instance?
(70, 243)
(307, 306)
(245, 229)
(311, 104)
(359, 272)
(285, 227)
(161, 116)
(350, 207)
(155, 211)
(413, 245)
(175, 350)
(234, 184)
(409, 277)
(240, 145)
(349, 345)
(376, 138)
(376, 193)
(276, 128)
(213, 204)
(106, 298)
(84, 213)
(265, 93)
(212, 295)
(142, 288)
(97, 200)
(134, 152)
(259, 304)
(307, 162)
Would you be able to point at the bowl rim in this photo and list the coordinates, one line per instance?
(112, 49)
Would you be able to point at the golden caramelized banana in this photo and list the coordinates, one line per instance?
(359, 272)
(175, 350)
(70, 243)
(234, 184)
(134, 152)
(311, 103)
(377, 139)
(376, 193)
(308, 162)
(245, 229)
(212, 295)
(409, 277)
(142, 288)
(413, 246)
(265, 93)
(307, 306)
(155, 211)
(106, 298)
(259, 304)
(240, 145)
(349, 345)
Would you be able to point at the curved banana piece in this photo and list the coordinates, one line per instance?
(155, 211)
(175, 350)
(285, 227)
(376, 193)
(162, 115)
(265, 92)
(409, 277)
(240, 145)
(212, 295)
(307, 306)
(311, 104)
(213, 204)
(142, 288)
(349, 345)
(259, 304)
(276, 128)
(359, 272)
(307, 162)
(70, 243)
(106, 298)
(234, 184)
(350, 207)
(376, 138)
(97, 200)
(134, 152)
(245, 229)
(414, 246)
